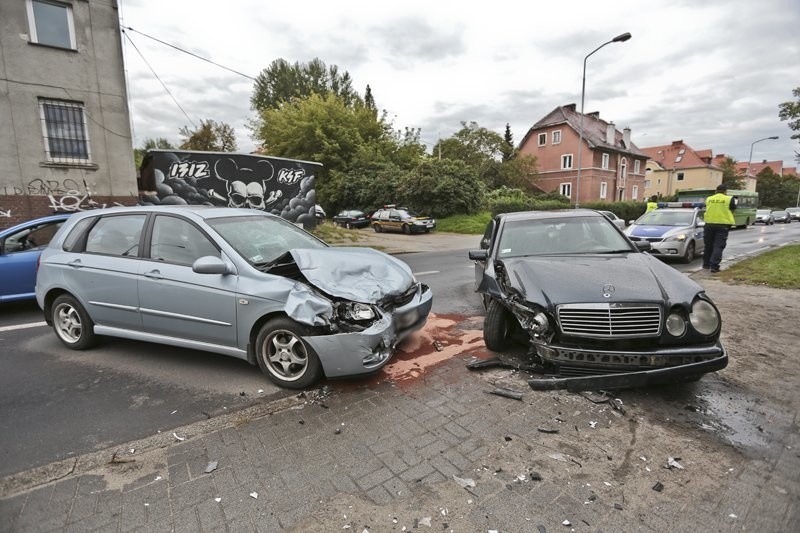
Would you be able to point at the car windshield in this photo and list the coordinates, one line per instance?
(549, 236)
(763, 212)
(779, 213)
(261, 239)
(666, 218)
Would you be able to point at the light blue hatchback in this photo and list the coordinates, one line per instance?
(239, 282)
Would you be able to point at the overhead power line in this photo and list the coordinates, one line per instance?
(157, 77)
(187, 52)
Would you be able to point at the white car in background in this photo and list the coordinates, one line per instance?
(671, 231)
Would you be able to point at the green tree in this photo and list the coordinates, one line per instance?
(507, 147)
(776, 191)
(149, 144)
(369, 100)
(790, 111)
(442, 188)
(321, 128)
(282, 82)
(731, 175)
(210, 136)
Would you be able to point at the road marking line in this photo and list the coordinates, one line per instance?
(426, 273)
(23, 326)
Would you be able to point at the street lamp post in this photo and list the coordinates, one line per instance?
(750, 159)
(618, 39)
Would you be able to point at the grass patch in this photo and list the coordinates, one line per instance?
(779, 268)
(336, 235)
(468, 224)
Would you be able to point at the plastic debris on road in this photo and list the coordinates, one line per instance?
(672, 462)
(212, 465)
(177, 438)
(464, 482)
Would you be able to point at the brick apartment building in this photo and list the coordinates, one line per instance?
(612, 167)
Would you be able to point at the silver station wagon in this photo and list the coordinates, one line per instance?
(238, 282)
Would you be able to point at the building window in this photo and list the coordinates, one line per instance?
(557, 137)
(605, 161)
(51, 23)
(542, 139)
(636, 166)
(603, 190)
(623, 171)
(566, 161)
(635, 192)
(566, 189)
(66, 139)
(680, 176)
(648, 184)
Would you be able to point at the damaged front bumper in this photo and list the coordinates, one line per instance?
(364, 352)
(643, 368)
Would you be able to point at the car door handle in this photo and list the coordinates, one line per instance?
(75, 263)
(153, 274)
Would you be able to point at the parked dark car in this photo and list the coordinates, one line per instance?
(391, 218)
(589, 303)
(781, 216)
(234, 281)
(20, 247)
(351, 218)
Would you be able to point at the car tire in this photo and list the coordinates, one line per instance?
(71, 323)
(496, 326)
(406, 229)
(348, 225)
(377, 228)
(283, 355)
(688, 257)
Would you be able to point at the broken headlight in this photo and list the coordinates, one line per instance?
(356, 311)
(534, 320)
(704, 317)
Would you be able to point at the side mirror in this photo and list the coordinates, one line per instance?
(479, 255)
(643, 246)
(210, 264)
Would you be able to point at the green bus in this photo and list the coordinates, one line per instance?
(746, 203)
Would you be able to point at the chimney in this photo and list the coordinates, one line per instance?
(626, 137)
(611, 133)
(677, 143)
(570, 107)
(594, 114)
(764, 161)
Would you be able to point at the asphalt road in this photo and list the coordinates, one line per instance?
(56, 403)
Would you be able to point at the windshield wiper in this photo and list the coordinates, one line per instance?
(626, 250)
(281, 260)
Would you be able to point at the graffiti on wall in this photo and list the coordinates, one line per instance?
(282, 187)
(5, 214)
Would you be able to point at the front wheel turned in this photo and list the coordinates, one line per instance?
(285, 357)
(496, 327)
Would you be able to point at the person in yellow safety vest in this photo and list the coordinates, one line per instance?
(652, 205)
(719, 219)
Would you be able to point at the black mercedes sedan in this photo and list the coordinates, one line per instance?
(351, 218)
(593, 307)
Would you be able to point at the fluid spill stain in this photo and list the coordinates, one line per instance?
(419, 351)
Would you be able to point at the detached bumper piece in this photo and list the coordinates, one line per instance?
(624, 380)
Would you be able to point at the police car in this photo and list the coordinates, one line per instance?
(674, 230)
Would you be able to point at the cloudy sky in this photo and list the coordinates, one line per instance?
(711, 73)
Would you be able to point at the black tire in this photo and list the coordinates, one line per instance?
(71, 323)
(377, 228)
(496, 327)
(688, 257)
(406, 229)
(284, 356)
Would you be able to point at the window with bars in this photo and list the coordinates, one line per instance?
(66, 139)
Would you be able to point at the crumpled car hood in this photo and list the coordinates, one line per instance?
(554, 280)
(358, 274)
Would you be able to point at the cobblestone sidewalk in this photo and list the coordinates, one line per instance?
(439, 454)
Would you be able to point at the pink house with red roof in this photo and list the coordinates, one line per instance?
(612, 167)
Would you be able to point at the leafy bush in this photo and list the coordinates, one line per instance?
(441, 188)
